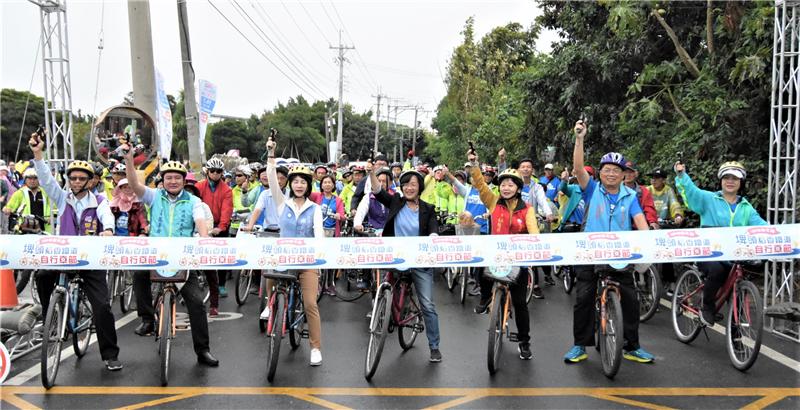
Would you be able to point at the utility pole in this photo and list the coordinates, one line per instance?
(377, 119)
(142, 67)
(341, 48)
(189, 101)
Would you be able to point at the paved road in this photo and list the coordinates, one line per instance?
(684, 376)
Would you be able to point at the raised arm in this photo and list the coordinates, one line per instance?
(577, 155)
(272, 175)
(46, 180)
(130, 173)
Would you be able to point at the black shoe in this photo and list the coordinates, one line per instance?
(436, 356)
(113, 365)
(482, 307)
(207, 359)
(537, 293)
(145, 329)
(524, 349)
(474, 291)
(707, 316)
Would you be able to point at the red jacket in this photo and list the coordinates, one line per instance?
(647, 204)
(317, 197)
(505, 224)
(220, 201)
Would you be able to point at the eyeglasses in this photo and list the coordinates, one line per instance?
(214, 171)
(80, 179)
(239, 175)
(611, 171)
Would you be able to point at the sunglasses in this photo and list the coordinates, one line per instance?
(239, 175)
(214, 171)
(80, 179)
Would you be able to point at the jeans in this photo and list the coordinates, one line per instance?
(423, 282)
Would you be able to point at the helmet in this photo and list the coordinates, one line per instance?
(30, 172)
(513, 174)
(81, 166)
(318, 166)
(215, 163)
(384, 170)
(190, 178)
(282, 170)
(734, 168)
(614, 158)
(438, 168)
(301, 170)
(119, 168)
(244, 169)
(487, 170)
(227, 174)
(172, 166)
(255, 166)
(461, 174)
(396, 165)
(406, 175)
(358, 168)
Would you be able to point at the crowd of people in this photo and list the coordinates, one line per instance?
(390, 199)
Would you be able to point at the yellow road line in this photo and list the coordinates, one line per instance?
(320, 402)
(18, 402)
(765, 401)
(630, 402)
(162, 400)
(456, 402)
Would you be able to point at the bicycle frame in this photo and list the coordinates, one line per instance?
(605, 283)
(290, 302)
(734, 276)
(171, 288)
(69, 288)
(399, 286)
(503, 287)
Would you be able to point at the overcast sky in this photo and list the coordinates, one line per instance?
(401, 46)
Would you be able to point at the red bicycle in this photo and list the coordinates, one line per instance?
(745, 324)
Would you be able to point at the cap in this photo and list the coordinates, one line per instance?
(123, 181)
(631, 165)
(467, 164)
(658, 173)
(548, 166)
(732, 171)
(589, 169)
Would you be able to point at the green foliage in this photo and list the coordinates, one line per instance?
(12, 105)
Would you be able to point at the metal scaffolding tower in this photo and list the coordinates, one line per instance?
(781, 278)
(57, 83)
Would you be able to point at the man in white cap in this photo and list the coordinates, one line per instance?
(552, 182)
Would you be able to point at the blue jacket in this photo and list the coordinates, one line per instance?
(573, 192)
(712, 207)
(168, 220)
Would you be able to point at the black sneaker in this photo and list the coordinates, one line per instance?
(482, 307)
(537, 292)
(524, 350)
(145, 329)
(707, 317)
(436, 356)
(113, 365)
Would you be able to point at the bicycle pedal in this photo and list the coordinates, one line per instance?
(304, 334)
(177, 326)
(513, 337)
(419, 328)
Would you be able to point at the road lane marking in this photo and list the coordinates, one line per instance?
(162, 400)
(630, 402)
(320, 402)
(765, 350)
(456, 402)
(764, 402)
(17, 401)
(66, 353)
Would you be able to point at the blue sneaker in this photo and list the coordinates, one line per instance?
(223, 293)
(575, 355)
(639, 355)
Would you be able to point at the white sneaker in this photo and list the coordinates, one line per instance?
(265, 313)
(316, 357)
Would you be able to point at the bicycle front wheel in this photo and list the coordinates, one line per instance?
(568, 278)
(243, 281)
(165, 334)
(378, 328)
(463, 278)
(275, 334)
(82, 332)
(649, 293)
(529, 289)
(127, 292)
(410, 320)
(495, 346)
(295, 319)
(111, 281)
(610, 332)
(451, 275)
(745, 326)
(687, 301)
(51, 339)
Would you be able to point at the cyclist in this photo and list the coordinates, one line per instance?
(551, 181)
(346, 194)
(31, 200)
(332, 206)
(362, 187)
(219, 197)
(173, 213)
(510, 215)
(264, 213)
(667, 208)
(533, 194)
(472, 203)
(129, 213)
(397, 169)
(410, 216)
(610, 206)
(320, 170)
(241, 176)
(81, 213)
(645, 198)
(717, 209)
(575, 207)
(300, 217)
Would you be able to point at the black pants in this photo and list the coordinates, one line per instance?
(716, 274)
(192, 295)
(518, 290)
(667, 273)
(583, 321)
(95, 288)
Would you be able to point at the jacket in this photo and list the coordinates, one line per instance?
(220, 200)
(22, 199)
(508, 217)
(600, 217)
(172, 220)
(712, 207)
(395, 203)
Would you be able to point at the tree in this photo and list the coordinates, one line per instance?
(12, 105)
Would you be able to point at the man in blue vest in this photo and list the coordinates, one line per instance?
(610, 206)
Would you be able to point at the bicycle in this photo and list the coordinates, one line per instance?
(346, 281)
(285, 297)
(166, 282)
(647, 283)
(567, 274)
(26, 225)
(394, 307)
(500, 312)
(460, 275)
(68, 313)
(744, 326)
(608, 323)
(120, 284)
(263, 297)
(244, 279)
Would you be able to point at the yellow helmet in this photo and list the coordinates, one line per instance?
(172, 166)
(79, 165)
(734, 168)
(513, 174)
(301, 170)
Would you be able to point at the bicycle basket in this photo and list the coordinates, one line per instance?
(168, 275)
(462, 230)
(280, 274)
(505, 274)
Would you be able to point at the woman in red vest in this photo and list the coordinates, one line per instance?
(510, 215)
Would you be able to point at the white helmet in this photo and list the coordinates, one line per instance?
(119, 169)
(30, 172)
(244, 169)
(215, 163)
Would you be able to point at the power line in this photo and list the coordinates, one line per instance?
(258, 49)
(300, 3)
(272, 46)
(362, 66)
(303, 32)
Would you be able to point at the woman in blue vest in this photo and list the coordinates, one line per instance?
(300, 217)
